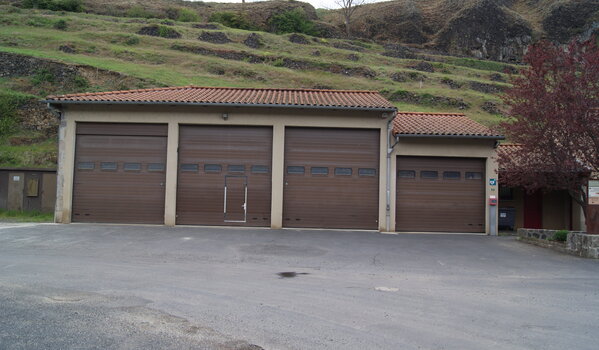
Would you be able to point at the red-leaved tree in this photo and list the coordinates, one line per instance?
(554, 116)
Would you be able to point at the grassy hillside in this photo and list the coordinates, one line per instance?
(89, 52)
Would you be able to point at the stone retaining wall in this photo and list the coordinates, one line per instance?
(539, 233)
(582, 244)
(578, 243)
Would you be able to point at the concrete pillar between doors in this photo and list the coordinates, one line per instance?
(278, 176)
(68, 169)
(170, 190)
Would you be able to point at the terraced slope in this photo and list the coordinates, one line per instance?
(96, 52)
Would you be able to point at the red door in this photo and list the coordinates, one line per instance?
(533, 210)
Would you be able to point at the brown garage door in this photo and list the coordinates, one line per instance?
(224, 175)
(440, 194)
(331, 178)
(119, 173)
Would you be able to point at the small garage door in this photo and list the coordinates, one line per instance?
(119, 173)
(331, 178)
(440, 194)
(224, 175)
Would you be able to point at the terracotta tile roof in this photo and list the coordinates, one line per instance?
(440, 124)
(508, 149)
(514, 152)
(305, 98)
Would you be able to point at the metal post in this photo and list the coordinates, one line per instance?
(493, 220)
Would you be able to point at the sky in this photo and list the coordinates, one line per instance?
(327, 4)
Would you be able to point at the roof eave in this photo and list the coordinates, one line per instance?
(488, 137)
(204, 104)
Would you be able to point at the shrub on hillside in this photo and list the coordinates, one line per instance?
(186, 15)
(9, 103)
(61, 24)
(293, 21)
(80, 82)
(232, 20)
(167, 32)
(139, 11)
(41, 76)
(132, 40)
(55, 5)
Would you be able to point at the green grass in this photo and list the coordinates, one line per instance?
(478, 64)
(25, 216)
(38, 155)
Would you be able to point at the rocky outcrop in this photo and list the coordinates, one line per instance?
(253, 41)
(298, 39)
(277, 61)
(346, 46)
(394, 21)
(426, 99)
(215, 37)
(397, 51)
(569, 19)
(402, 77)
(35, 115)
(486, 31)
(424, 67)
(65, 78)
(161, 31)
(327, 30)
(210, 26)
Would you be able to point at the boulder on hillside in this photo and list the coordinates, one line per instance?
(398, 51)
(210, 26)
(254, 41)
(215, 37)
(486, 88)
(497, 77)
(392, 21)
(346, 46)
(451, 83)
(160, 31)
(298, 39)
(486, 31)
(424, 67)
(67, 49)
(491, 107)
(402, 77)
(327, 30)
(568, 19)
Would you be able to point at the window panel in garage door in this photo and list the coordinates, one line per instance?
(331, 178)
(112, 181)
(440, 194)
(211, 157)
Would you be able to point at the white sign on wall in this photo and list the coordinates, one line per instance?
(594, 192)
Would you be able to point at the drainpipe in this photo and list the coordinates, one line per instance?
(389, 172)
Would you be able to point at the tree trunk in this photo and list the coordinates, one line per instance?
(347, 29)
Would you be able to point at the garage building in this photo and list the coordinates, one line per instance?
(279, 158)
(445, 173)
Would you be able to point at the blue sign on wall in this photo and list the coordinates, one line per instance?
(493, 182)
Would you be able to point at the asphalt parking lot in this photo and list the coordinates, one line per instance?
(143, 287)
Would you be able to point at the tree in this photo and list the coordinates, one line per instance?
(554, 116)
(348, 7)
